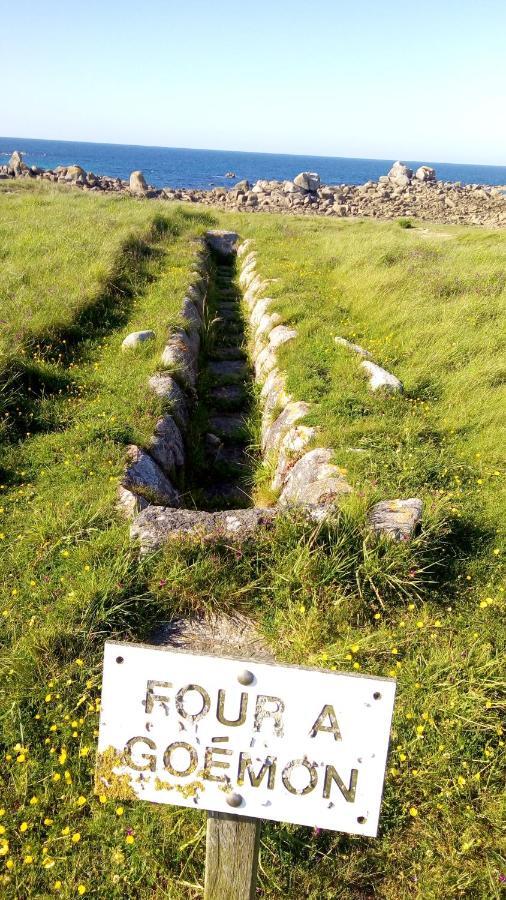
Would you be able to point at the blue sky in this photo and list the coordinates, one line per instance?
(371, 79)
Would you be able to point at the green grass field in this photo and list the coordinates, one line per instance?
(429, 307)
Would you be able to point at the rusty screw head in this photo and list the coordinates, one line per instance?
(245, 677)
(234, 800)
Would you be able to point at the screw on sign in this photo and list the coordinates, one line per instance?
(246, 741)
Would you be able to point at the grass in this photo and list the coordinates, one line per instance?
(427, 612)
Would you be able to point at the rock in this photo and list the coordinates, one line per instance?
(129, 504)
(144, 477)
(308, 181)
(164, 386)
(281, 335)
(425, 173)
(398, 519)
(214, 635)
(222, 242)
(400, 173)
(380, 379)
(16, 163)
(191, 315)
(244, 247)
(273, 393)
(137, 337)
(137, 183)
(266, 324)
(259, 310)
(166, 447)
(313, 480)
(290, 450)
(180, 355)
(243, 186)
(291, 414)
(155, 526)
(228, 369)
(265, 362)
(355, 348)
(74, 173)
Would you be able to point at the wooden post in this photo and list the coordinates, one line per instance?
(231, 857)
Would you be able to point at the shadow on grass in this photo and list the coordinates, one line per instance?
(39, 372)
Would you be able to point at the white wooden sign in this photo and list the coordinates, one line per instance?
(298, 745)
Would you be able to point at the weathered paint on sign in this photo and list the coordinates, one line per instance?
(274, 742)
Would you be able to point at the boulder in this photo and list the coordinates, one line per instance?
(163, 385)
(16, 163)
(155, 526)
(144, 477)
(180, 355)
(308, 181)
(291, 449)
(425, 173)
(222, 242)
(291, 414)
(242, 186)
(137, 337)
(166, 446)
(280, 335)
(137, 183)
(400, 174)
(355, 348)
(75, 172)
(398, 519)
(380, 379)
(314, 480)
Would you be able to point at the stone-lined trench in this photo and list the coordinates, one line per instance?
(197, 473)
(221, 458)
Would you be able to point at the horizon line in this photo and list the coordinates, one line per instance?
(249, 152)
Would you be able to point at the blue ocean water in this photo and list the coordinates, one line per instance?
(180, 167)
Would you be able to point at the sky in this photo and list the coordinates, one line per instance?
(369, 78)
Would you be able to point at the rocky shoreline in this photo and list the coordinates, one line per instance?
(400, 193)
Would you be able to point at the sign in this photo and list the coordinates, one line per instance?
(298, 745)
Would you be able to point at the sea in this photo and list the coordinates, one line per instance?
(180, 167)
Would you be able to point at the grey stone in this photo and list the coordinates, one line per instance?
(164, 386)
(267, 323)
(215, 635)
(380, 379)
(222, 242)
(398, 519)
(129, 504)
(290, 450)
(265, 362)
(355, 348)
(137, 183)
(227, 368)
(137, 337)
(308, 181)
(400, 173)
(291, 414)
(425, 173)
(313, 479)
(144, 477)
(16, 163)
(281, 335)
(180, 356)
(155, 525)
(259, 310)
(244, 247)
(166, 447)
(243, 186)
(190, 314)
